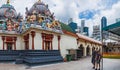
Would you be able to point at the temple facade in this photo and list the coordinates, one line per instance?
(39, 31)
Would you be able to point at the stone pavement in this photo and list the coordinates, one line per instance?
(82, 64)
(111, 64)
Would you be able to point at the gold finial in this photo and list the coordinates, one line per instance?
(8, 1)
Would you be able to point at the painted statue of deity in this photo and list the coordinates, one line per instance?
(40, 19)
(28, 23)
(15, 27)
(28, 19)
(49, 25)
(56, 24)
(9, 25)
(20, 27)
(33, 17)
(44, 24)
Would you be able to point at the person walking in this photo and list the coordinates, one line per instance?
(98, 57)
(93, 57)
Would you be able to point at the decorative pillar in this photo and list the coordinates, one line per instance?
(85, 51)
(51, 42)
(15, 38)
(51, 46)
(27, 36)
(59, 37)
(3, 38)
(26, 41)
(33, 35)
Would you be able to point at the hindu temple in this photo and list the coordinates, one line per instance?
(39, 38)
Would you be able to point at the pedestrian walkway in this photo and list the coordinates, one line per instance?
(82, 64)
(111, 64)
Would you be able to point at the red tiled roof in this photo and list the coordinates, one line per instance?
(89, 39)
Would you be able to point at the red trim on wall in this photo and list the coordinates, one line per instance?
(59, 37)
(46, 38)
(26, 41)
(9, 39)
(15, 38)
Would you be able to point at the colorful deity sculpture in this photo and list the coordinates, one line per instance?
(28, 23)
(33, 17)
(3, 26)
(44, 24)
(9, 25)
(40, 19)
(56, 25)
(15, 26)
(20, 27)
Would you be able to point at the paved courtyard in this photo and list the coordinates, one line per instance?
(82, 64)
(111, 64)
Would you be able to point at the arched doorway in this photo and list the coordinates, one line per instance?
(88, 51)
(81, 48)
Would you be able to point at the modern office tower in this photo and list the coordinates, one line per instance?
(72, 24)
(104, 35)
(103, 22)
(96, 32)
(82, 25)
(70, 20)
(86, 31)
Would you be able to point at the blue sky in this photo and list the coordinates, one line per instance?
(90, 10)
(87, 14)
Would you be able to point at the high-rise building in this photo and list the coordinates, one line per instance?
(70, 20)
(103, 22)
(96, 32)
(72, 24)
(82, 25)
(103, 25)
(86, 31)
(118, 20)
(78, 30)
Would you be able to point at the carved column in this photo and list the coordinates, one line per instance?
(51, 46)
(3, 38)
(51, 42)
(26, 41)
(15, 38)
(33, 35)
(27, 36)
(59, 37)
